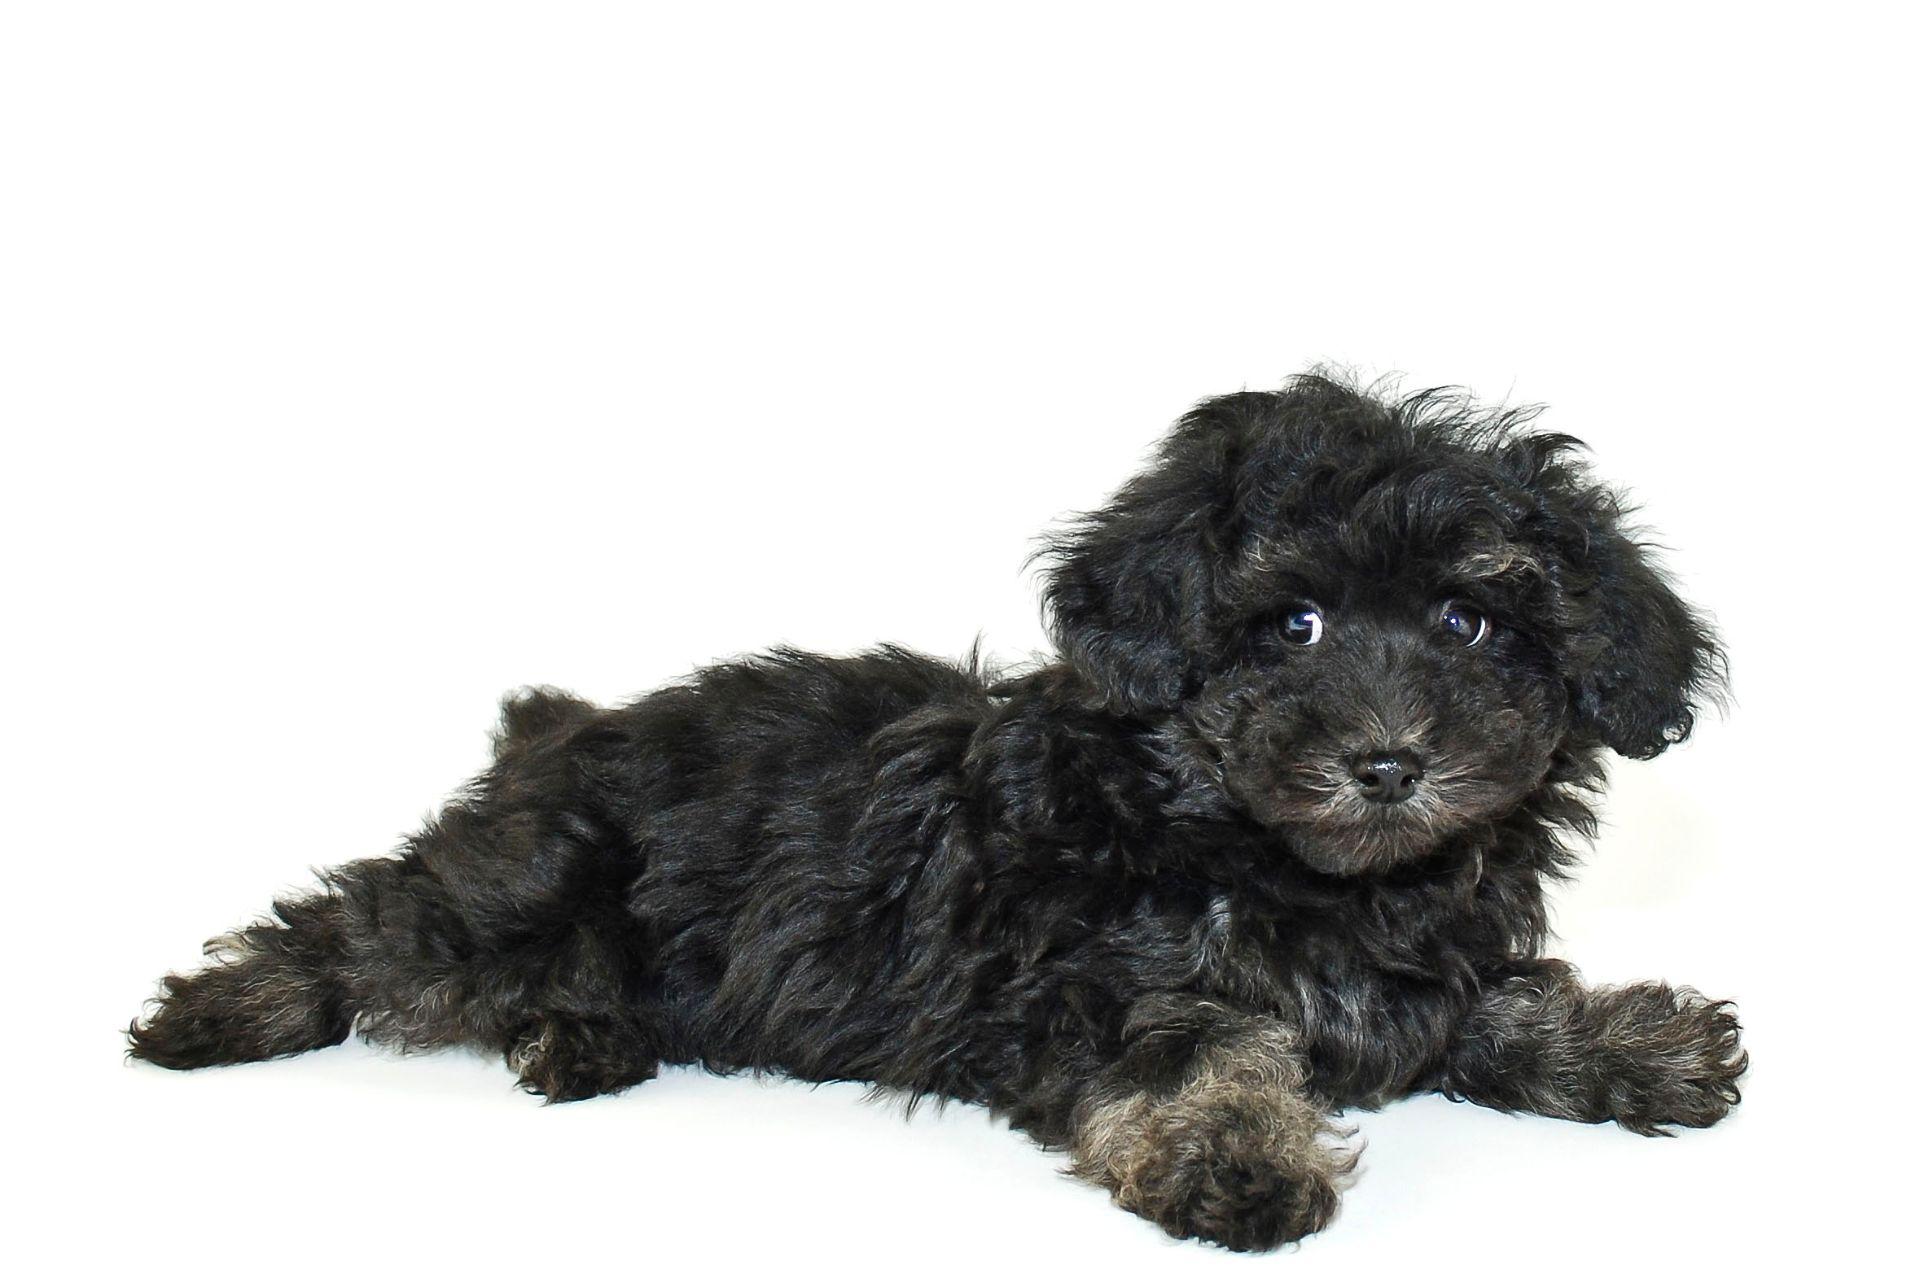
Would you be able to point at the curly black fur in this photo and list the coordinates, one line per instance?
(1147, 902)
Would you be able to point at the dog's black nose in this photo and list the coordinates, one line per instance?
(1387, 777)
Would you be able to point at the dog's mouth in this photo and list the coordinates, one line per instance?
(1339, 823)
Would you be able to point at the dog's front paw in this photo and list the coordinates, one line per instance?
(1673, 1058)
(1228, 1175)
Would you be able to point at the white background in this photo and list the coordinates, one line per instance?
(363, 361)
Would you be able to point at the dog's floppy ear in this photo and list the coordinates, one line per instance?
(1130, 588)
(1643, 660)
(1127, 596)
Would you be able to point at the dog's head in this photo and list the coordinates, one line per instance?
(1374, 624)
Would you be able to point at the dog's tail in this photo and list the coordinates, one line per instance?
(278, 987)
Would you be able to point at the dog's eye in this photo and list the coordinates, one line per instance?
(1462, 624)
(1303, 624)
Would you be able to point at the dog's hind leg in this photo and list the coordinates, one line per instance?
(277, 987)
(528, 949)
(563, 1056)
(503, 926)
(385, 946)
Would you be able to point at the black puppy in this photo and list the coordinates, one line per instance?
(1270, 841)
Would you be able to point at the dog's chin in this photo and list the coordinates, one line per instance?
(1357, 850)
(1340, 835)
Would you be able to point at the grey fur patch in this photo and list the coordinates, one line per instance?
(1237, 1152)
